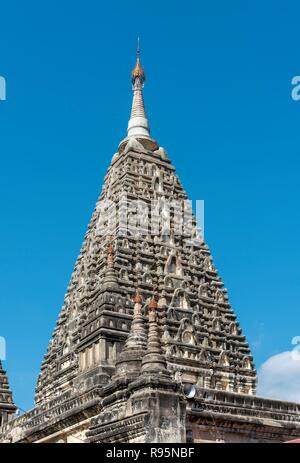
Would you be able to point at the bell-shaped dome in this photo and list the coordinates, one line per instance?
(138, 72)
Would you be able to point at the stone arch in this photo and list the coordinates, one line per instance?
(168, 282)
(215, 312)
(173, 351)
(185, 333)
(157, 184)
(119, 308)
(163, 251)
(187, 337)
(110, 298)
(66, 346)
(125, 243)
(220, 296)
(171, 314)
(216, 324)
(145, 169)
(154, 170)
(145, 246)
(233, 329)
(180, 299)
(74, 311)
(247, 363)
(124, 274)
(147, 278)
(173, 265)
(197, 308)
(195, 319)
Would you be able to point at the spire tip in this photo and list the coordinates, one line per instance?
(138, 50)
(138, 72)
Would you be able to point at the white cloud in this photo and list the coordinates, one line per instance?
(279, 377)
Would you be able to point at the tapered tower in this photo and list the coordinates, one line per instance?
(135, 237)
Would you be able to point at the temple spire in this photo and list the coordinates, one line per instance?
(129, 361)
(154, 360)
(138, 126)
(110, 278)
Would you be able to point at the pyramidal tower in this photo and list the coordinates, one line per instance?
(147, 347)
(134, 239)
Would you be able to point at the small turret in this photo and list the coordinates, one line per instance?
(7, 407)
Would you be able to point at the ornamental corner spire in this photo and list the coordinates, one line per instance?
(110, 278)
(7, 406)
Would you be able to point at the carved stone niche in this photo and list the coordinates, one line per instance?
(173, 265)
(186, 333)
(188, 338)
(180, 299)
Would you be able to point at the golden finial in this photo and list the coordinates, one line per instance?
(137, 297)
(138, 71)
(152, 305)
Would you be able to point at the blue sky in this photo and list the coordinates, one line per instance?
(218, 98)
